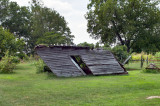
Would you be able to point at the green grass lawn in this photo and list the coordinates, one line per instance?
(26, 88)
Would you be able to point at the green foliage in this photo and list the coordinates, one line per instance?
(17, 19)
(84, 44)
(39, 66)
(157, 55)
(134, 23)
(15, 60)
(26, 58)
(48, 24)
(9, 42)
(52, 38)
(106, 47)
(136, 56)
(97, 45)
(120, 52)
(8, 63)
(32, 23)
(82, 65)
(151, 70)
(30, 58)
(20, 55)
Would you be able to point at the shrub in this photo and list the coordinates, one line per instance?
(120, 52)
(8, 63)
(151, 70)
(9, 42)
(39, 66)
(30, 58)
(21, 55)
(15, 60)
(25, 58)
(157, 56)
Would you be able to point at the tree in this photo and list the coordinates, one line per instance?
(120, 52)
(126, 21)
(52, 38)
(3, 10)
(106, 46)
(32, 23)
(97, 45)
(91, 45)
(10, 43)
(17, 19)
(48, 20)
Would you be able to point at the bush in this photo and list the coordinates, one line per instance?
(15, 60)
(151, 70)
(120, 52)
(157, 56)
(8, 63)
(25, 58)
(21, 55)
(40, 66)
(30, 58)
(9, 42)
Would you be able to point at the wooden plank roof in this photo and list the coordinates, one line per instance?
(58, 59)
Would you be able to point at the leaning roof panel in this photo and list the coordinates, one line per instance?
(99, 62)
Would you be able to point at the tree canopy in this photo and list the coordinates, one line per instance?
(48, 20)
(52, 38)
(84, 44)
(132, 23)
(9, 43)
(33, 23)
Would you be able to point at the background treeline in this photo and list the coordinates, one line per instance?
(22, 28)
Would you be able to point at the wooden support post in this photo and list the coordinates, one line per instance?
(141, 62)
(147, 60)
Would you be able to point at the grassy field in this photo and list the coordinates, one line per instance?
(26, 88)
(137, 65)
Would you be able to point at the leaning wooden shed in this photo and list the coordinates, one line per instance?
(60, 59)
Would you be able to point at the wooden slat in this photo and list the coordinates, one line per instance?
(100, 62)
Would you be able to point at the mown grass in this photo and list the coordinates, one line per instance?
(26, 88)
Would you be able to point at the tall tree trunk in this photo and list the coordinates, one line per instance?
(117, 33)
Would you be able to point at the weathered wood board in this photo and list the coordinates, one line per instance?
(58, 59)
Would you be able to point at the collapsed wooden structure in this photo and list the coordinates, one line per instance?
(61, 61)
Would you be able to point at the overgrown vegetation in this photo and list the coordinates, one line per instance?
(137, 56)
(120, 52)
(84, 44)
(157, 55)
(9, 42)
(151, 70)
(8, 63)
(39, 64)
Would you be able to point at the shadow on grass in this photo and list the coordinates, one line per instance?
(53, 76)
(8, 73)
(133, 69)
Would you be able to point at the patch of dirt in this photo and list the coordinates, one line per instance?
(153, 97)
